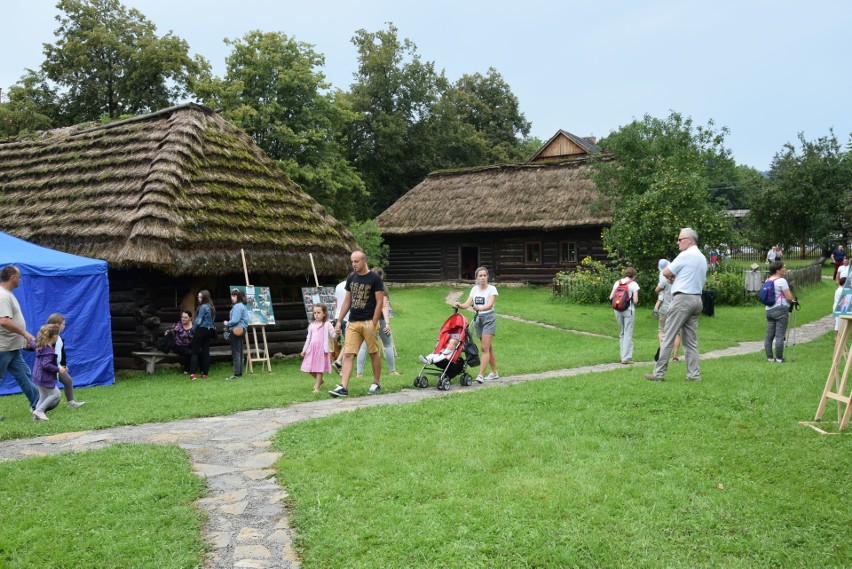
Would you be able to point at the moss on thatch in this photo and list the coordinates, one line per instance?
(532, 196)
(180, 190)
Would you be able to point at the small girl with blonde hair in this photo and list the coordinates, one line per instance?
(318, 345)
(45, 371)
(64, 377)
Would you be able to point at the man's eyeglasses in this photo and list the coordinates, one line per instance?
(679, 239)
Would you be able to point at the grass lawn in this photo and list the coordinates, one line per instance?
(604, 470)
(590, 471)
(121, 506)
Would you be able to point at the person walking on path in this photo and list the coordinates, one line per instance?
(62, 361)
(690, 271)
(778, 314)
(625, 314)
(46, 371)
(364, 299)
(238, 318)
(482, 298)
(837, 257)
(384, 335)
(317, 349)
(14, 335)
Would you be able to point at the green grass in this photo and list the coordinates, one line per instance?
(604, 470)
(119, 507)
(137, 398)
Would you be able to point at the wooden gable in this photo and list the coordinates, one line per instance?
(566, 146)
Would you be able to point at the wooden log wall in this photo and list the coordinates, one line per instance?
(432, 258)
(144, 304)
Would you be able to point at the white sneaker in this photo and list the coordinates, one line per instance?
(76, 404)
(479, 379)
(423, 360)
(492, 376)
(374, 388)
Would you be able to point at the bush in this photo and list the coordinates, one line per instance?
(590, 283)
(727, 283)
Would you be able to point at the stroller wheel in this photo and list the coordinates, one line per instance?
(466, 380)
(444, 384)
(420, 381)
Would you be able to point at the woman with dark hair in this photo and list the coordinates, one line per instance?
(182, 333)
(203, 333)
(778, 313)
(238, 319)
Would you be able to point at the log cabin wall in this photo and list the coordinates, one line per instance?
(145, 303)
(510, 256)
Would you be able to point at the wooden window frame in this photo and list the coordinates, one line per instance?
(576, 252)
(527, 259)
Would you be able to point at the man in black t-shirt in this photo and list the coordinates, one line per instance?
(364, 299)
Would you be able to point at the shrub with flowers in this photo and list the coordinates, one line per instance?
(590, 283)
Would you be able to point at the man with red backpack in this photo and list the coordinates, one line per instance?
(624, 296)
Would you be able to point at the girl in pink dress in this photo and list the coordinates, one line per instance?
(318, 345)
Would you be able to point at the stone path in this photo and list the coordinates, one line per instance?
(247, 519)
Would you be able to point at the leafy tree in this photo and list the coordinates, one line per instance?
(807, 197)
(486, 103)
(273, 90)
(32, 106)
(369, 238)
(394, 94)
(108, 60)
(657, 177)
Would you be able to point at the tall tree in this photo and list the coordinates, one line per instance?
(108, 60)
(486, 103)
(658, 181)
(394, 94)
(808, 195)
(274, 90)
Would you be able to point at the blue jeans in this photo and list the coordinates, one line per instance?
(14, 362)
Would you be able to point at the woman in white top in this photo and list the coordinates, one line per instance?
(777, 314)
(482, 297)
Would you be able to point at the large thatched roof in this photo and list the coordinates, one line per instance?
(180, 190)
(532, 196)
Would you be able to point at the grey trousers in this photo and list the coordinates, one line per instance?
(625, 320)
(682, 317)
(776, 327)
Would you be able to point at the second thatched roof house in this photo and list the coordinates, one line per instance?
(169, 199)
(524, 222)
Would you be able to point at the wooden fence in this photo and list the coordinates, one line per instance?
(797, 278)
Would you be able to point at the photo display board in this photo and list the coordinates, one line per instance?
(259, 304)
(318, 295)
(843, 307)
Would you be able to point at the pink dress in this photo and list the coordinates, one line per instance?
(316, 357)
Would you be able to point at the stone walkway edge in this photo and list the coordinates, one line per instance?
(247, 523)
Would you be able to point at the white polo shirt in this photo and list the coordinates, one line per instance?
(690, 270)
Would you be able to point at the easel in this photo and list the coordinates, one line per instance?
(837, 382)
(254, 355)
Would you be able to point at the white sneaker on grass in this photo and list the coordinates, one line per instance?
(479, 379)
(492, 375)
(76, 404)
(374, 388)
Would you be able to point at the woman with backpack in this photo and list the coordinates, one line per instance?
(624, 296)
(775, 294)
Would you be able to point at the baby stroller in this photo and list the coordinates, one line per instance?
(465, 354)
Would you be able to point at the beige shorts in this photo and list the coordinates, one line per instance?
(358, 333)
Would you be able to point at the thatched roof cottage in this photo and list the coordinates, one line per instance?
(168, 199)
(524, 221)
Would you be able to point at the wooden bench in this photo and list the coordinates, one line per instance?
(153, 357)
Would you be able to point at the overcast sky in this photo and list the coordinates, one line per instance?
(765, 69)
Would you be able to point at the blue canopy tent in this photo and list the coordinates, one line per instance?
(77, 288)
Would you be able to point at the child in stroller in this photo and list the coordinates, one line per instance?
(455, 345)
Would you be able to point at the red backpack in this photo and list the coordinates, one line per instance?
(622, 297)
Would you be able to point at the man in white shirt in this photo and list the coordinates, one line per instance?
(14, 335)
(690, 272)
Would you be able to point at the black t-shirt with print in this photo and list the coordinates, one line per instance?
(363, 290)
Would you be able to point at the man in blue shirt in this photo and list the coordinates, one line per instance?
(690, 272)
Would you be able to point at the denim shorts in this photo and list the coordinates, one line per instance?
(486, 324)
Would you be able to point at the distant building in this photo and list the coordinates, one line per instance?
(523, 221)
